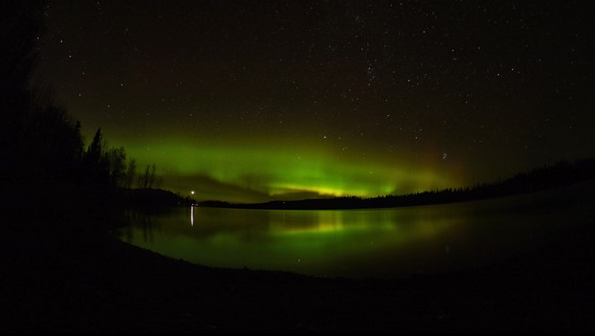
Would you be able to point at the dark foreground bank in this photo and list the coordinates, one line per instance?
(80, 279)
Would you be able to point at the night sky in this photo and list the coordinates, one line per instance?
(249, 101)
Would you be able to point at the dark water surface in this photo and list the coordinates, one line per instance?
(382, 243)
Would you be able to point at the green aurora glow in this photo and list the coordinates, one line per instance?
(293, 100)
(260, 172)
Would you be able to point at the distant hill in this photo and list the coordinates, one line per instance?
(560, 174)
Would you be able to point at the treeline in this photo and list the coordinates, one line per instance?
(559, 174)
(46, 150)
(109, 164)
(44, 164)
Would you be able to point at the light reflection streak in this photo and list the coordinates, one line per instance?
(192, 215)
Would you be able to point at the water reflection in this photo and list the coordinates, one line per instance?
(356, 243)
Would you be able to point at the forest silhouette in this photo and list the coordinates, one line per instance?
(44, 161)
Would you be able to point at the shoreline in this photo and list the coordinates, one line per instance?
(82, 280)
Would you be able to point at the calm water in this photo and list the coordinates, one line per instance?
(362, 243)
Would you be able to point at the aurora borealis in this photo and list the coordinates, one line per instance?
(251, 101)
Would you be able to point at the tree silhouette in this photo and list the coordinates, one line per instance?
(116, 160)
(130, 174)
(148, 179)
(95, 162)
(95, 148)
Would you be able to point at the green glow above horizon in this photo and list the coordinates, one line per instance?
(238, 109)
(279, 169)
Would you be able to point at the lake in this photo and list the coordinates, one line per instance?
(362, 243)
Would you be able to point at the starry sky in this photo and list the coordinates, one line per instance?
(248, 101)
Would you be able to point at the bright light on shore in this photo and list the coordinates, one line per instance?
(192, 192)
